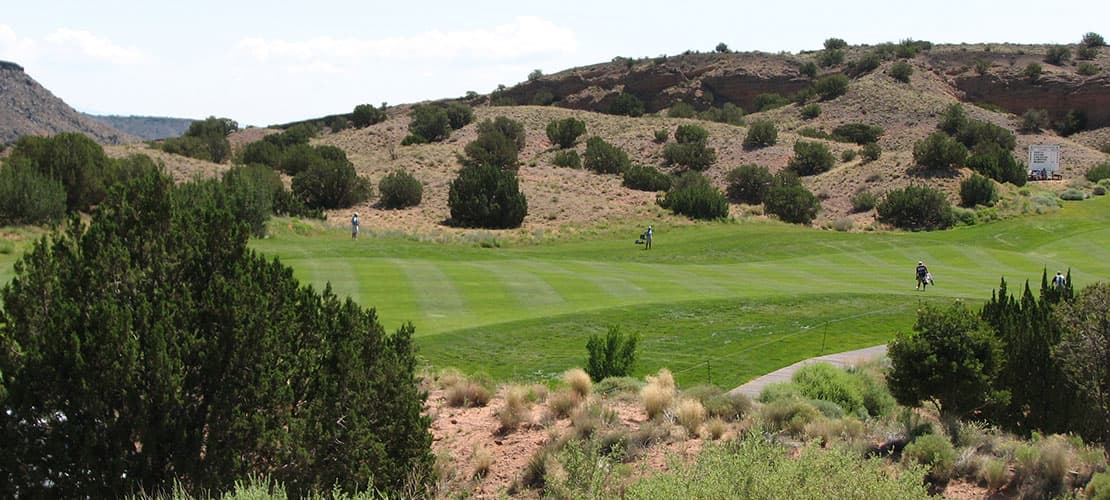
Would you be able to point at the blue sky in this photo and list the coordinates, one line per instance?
(277, 61)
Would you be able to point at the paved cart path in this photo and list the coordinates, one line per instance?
(841, 359)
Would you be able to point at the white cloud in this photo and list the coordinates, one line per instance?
(97, 48)
(16, 49)
(525, 36)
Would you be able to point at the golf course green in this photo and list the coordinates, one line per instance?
(713, 302)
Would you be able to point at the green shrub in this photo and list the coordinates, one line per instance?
(1086, 69)
(727, 405)
(365, 115)
(681, 110)
(938, 151)
(848, 155)
(977, 190)
(810, 111)
(508, 127)
(1035, 120)
(769, 101)
(794, 204)
(413, 139)
(901, 71)
(1072, 122)
(1032, 71)
(298, 157)
(261, 153)
(728, 113)
(1072, 194)
(252, 191)
(748, 184)
(859, 133)
(998, 164)
(330, 184)
(605, 158)
(760, 468)
(429, 122)
(1099, 172)
(565, 132)
(400, 189)
(976, 133)
(205, 140)
(830, 58)
(567, 158)
(916, 208)
(646, 178)
(661, 135)
(27, 196)
(981, 66)
(761, 134)
(1057, 55)
(493, 147)
(459, 115)
(779, 391)
(788, 415)
(71, 158)
(695, 156)
(865, 64)
(611, 356)
(486, 196)
(831, 86)
(826, 382)
(1099, 487)
(835, 44)
(808, 69)
(934, 452)
(811, 158)
(864, 201)
(1098, 190)
(953, 120)
(694, 197)
(626, 104)
(1092, 39)
(877, 399)
(297, 134)
(871, 151)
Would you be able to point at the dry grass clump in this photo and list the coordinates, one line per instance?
(483, 461)
(591, 418)
(690, 414)
(658, 394)
(449, 377)
(995, 473)
(649, 434)
(563, 402)
(466, 393)
(578, 380)
(715, 427)
(788, 415)
(517, 408)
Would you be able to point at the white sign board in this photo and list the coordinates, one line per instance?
(1046, 157)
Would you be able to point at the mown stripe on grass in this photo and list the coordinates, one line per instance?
(437, 295)
(608, 279)
(525, 287)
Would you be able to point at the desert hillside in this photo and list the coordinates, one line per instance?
(27, 108)
(988, 80)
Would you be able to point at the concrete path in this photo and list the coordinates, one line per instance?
(841, 359)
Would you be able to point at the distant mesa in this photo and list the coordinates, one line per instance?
(27, 108)
(149, 128)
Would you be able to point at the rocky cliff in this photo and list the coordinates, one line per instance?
(975, 73)
(26, 108)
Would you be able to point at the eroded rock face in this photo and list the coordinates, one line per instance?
(1056, 94)
(27, 108)
(704, 80)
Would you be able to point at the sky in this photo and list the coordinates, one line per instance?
(270, 62)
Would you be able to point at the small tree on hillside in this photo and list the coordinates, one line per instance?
(565, 132)
(953, 120)
(916, 208)
(761, 134)
(492, 147)
(605, 158)
(938, 151)
(901, 71)
(748, 183)
(790, 201)
(486, 196)
(835, 44)
(399, 189)
(831, 86)
(73, 159)
(366, 115)
(977, 190)
(950, 360)
(627, 105)
(1084, 350)
(811, 158)
(459, 115)
(611, 356)
(430, 123)
(27, 196)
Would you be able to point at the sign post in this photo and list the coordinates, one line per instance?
(1044, 161)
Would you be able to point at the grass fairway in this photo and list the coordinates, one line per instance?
(742, 298)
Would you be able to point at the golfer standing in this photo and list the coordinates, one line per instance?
(354, 226)
(647, 238)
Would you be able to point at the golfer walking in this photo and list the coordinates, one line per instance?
(647, 238)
